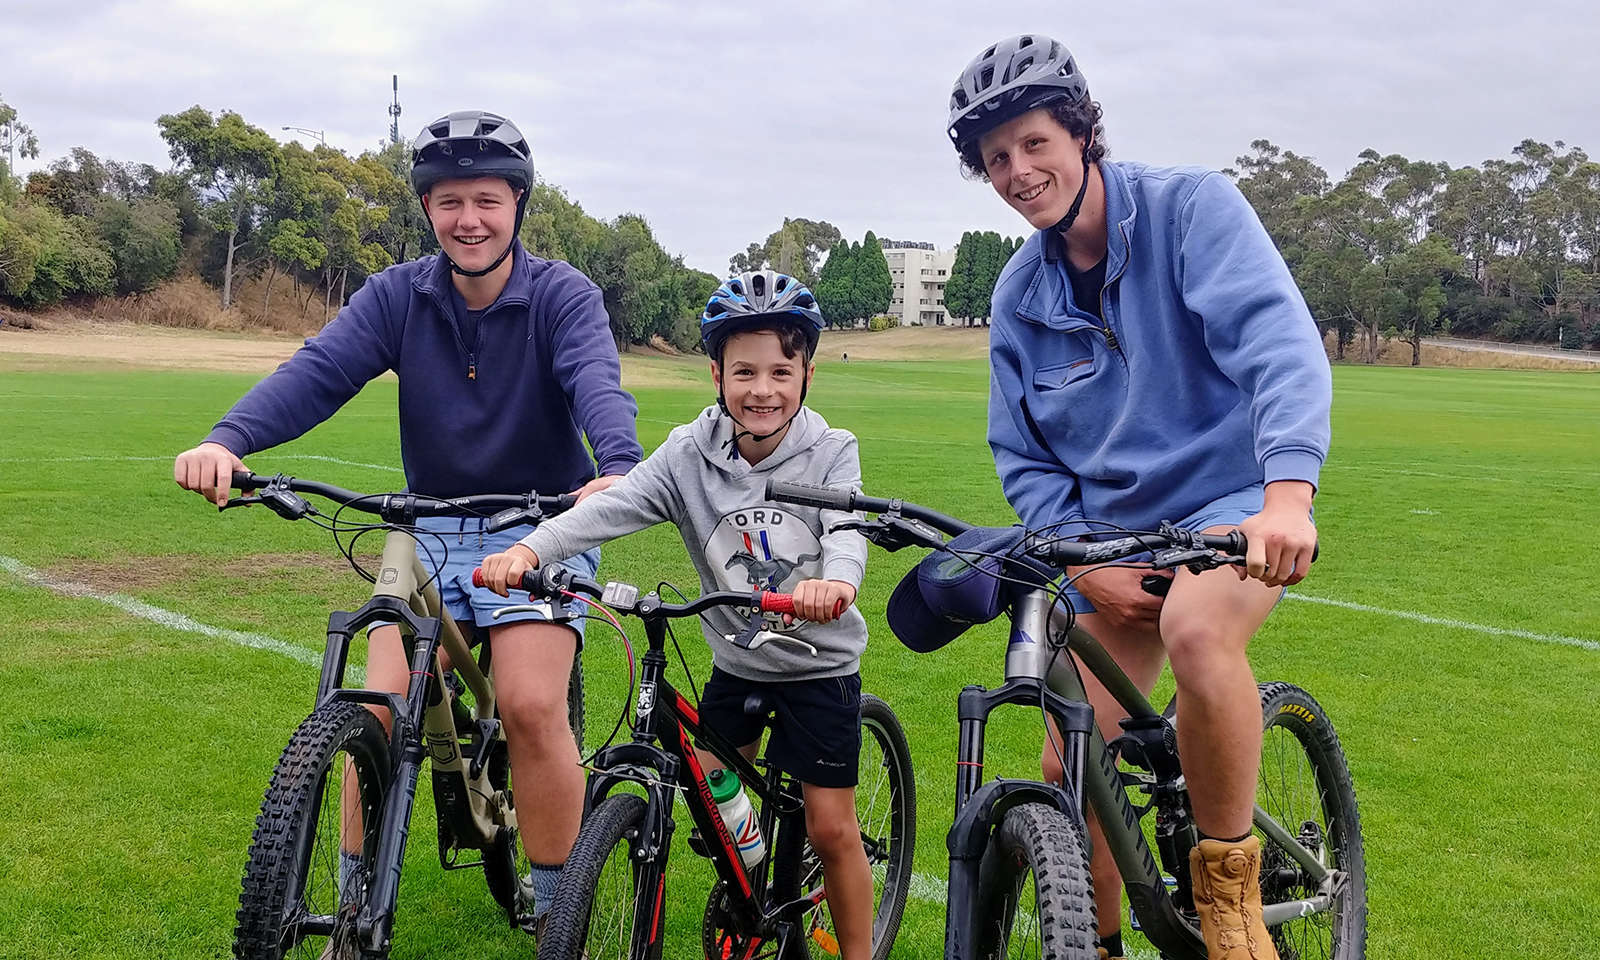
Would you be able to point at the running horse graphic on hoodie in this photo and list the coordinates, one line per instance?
(771, 572)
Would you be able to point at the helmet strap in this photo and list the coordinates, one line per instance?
(1066, 222)
(516, 231)
(732, 443)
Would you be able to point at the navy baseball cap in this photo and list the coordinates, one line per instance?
(955, 588)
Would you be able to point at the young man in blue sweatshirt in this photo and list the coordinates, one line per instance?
(506, 362)
(709, 478)
(1151, 360)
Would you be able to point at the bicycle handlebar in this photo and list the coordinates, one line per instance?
(403, 507)
(830, 498)
(552, 581)
(1057, 551)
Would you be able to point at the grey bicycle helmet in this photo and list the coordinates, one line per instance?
(1008, 79)
(473, 143)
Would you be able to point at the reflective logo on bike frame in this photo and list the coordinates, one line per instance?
(647, 699)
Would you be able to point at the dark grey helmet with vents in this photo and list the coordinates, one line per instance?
(1007, 80)
(470, 143)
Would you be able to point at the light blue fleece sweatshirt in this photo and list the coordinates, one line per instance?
(1206, 375)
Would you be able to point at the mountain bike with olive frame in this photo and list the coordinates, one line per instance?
(343, 783)
(612, 903)
(1012, 835)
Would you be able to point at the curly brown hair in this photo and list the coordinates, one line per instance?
(1079, 119)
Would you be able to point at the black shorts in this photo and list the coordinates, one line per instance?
(816, 734)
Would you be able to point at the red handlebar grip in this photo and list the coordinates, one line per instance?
(784, 603)
(777, 602)
(477, 576)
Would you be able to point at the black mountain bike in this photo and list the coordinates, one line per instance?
(342, 777)
(1019, 877)
(612, 898)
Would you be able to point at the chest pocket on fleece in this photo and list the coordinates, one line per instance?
(1069, 408)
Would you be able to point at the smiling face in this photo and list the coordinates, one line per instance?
(760, 383)
(1035, 164)
(473, 219)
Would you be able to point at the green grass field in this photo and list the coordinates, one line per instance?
(135, 754)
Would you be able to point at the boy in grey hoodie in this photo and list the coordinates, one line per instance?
(709, 478)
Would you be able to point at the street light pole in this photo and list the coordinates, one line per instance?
(310, 132)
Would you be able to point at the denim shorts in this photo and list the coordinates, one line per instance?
(1228, 510)
(458, 546)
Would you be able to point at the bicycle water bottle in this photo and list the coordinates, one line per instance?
(738, 814)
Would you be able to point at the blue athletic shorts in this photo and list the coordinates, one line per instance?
(1228, 510)
(460, 545)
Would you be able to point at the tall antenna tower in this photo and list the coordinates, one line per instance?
(394, 112)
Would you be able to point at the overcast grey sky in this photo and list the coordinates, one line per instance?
(716, 120)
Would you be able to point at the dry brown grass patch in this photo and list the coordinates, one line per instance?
(140, 573)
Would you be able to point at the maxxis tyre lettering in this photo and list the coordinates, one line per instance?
(1287, 707)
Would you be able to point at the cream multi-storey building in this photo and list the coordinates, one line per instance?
(919, 272)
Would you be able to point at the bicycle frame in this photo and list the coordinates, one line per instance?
(1101, 784)
(423, 725)
(662, 757)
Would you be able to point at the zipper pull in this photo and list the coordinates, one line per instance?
(472, 367)
(1111, 338)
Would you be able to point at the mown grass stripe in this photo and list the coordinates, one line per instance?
(1412, 615)
(170, 619)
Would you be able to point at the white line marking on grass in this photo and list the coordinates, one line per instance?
(1553, 638)
(167, 618)
(1426, 513)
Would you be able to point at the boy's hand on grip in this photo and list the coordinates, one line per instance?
(502, 571)
(822, 601)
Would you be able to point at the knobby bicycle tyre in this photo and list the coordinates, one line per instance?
(1305, 785)
(1038, 841)
(886, 805)
(575, 716)
(291, 880)
(598, 902)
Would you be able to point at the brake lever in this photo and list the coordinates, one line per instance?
(751, 637)
(891, 533)
(284, 502)
(1196, 559)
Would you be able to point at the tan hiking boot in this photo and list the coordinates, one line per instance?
(1227, 894)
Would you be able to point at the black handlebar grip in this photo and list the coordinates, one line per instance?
(810, 495)
(565, 502)
(1235, 544)
(245, 480)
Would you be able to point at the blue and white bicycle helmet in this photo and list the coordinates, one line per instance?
(757, 298)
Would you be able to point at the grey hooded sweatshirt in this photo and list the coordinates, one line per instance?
(737, 538)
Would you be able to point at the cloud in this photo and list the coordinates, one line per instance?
(717, 119)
